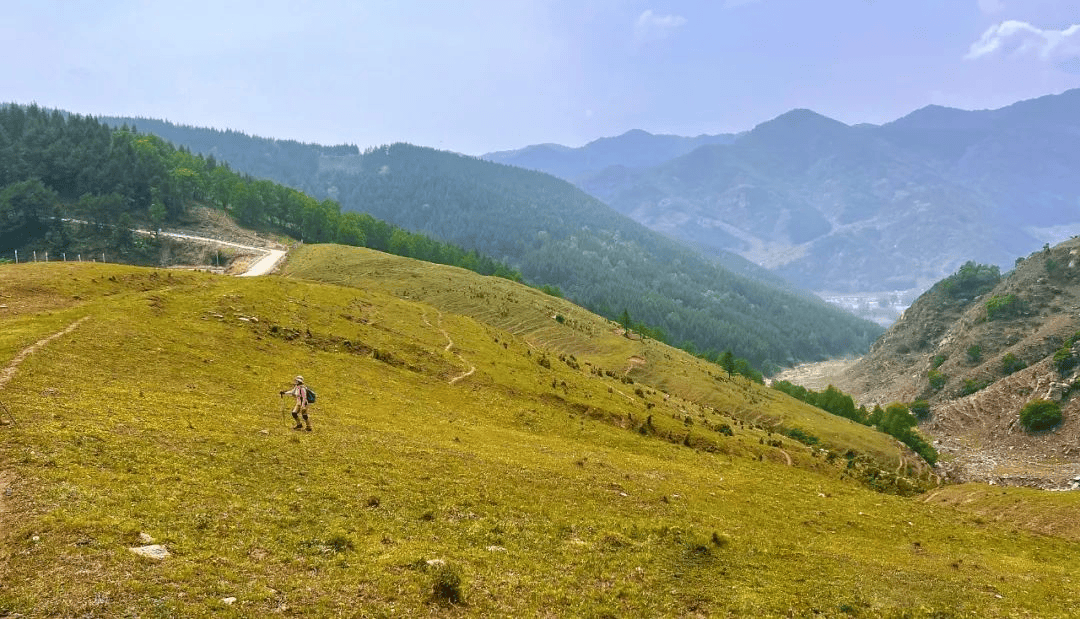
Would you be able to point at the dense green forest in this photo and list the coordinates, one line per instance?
(56, 167)
(553, 233)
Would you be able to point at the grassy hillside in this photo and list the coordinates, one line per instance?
(540, 487)
(588, 340)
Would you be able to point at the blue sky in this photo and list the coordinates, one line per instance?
(481, 75)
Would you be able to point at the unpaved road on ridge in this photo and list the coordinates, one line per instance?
(262, 266)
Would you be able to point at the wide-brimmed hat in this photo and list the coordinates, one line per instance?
(298, 380)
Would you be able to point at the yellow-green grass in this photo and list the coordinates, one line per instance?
(1049, 513)
(532, 315)
(150, 417)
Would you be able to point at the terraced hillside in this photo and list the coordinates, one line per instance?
(458, 467)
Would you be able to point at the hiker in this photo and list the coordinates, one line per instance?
(301, 392)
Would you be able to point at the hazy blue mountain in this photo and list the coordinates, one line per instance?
(633, 149)
(869, 208)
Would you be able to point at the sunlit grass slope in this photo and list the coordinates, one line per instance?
(551, 324)
(159, 414)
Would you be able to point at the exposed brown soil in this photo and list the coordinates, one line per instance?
(816, 376)
(978, 433)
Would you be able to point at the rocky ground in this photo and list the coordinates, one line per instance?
(816, 376)
(974, 419)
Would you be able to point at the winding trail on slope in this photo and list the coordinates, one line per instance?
(8, 372)
(449, 345)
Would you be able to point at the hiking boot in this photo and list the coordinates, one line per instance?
(308, 428)
(298, 427)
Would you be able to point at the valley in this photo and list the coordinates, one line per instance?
(448, 403)
(850, 208)
(484, 447)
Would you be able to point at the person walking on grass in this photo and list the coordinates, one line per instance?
(300, 391)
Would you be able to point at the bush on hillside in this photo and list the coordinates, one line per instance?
(1038, 415)
(937, 379)
(974, 353)
(1010, 364)
(1064, 359)
(971, 280)
(971, 385)
(920, 408)
(446, 585)
(1003, 306)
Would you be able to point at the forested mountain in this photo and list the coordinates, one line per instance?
(869, 208)
(69, 183)
(633, 149)
(555, 234)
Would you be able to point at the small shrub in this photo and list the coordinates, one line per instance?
(1010, 364)
(974, 353)
(721, 540)
(551, 290)
(446, 585)
(1065, 360)
(1003, 306)
(936, 362)
(1038, 415)
(937, 379)
(339, 542)
(803, 437)
(972, 385)
(920, 408)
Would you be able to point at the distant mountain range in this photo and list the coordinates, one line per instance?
(849, 208)
(635, 149)
(554, 234)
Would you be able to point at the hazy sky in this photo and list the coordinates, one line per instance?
(480, 75)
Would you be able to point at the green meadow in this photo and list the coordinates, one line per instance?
(480, 449)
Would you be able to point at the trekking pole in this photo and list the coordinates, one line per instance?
(282, 398)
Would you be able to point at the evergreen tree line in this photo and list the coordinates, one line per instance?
(896, 420)
(55, 166)
(554, 233)
(726, 360)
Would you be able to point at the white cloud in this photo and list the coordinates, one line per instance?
(991, 6)
(1021, 39)
(651, 26)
